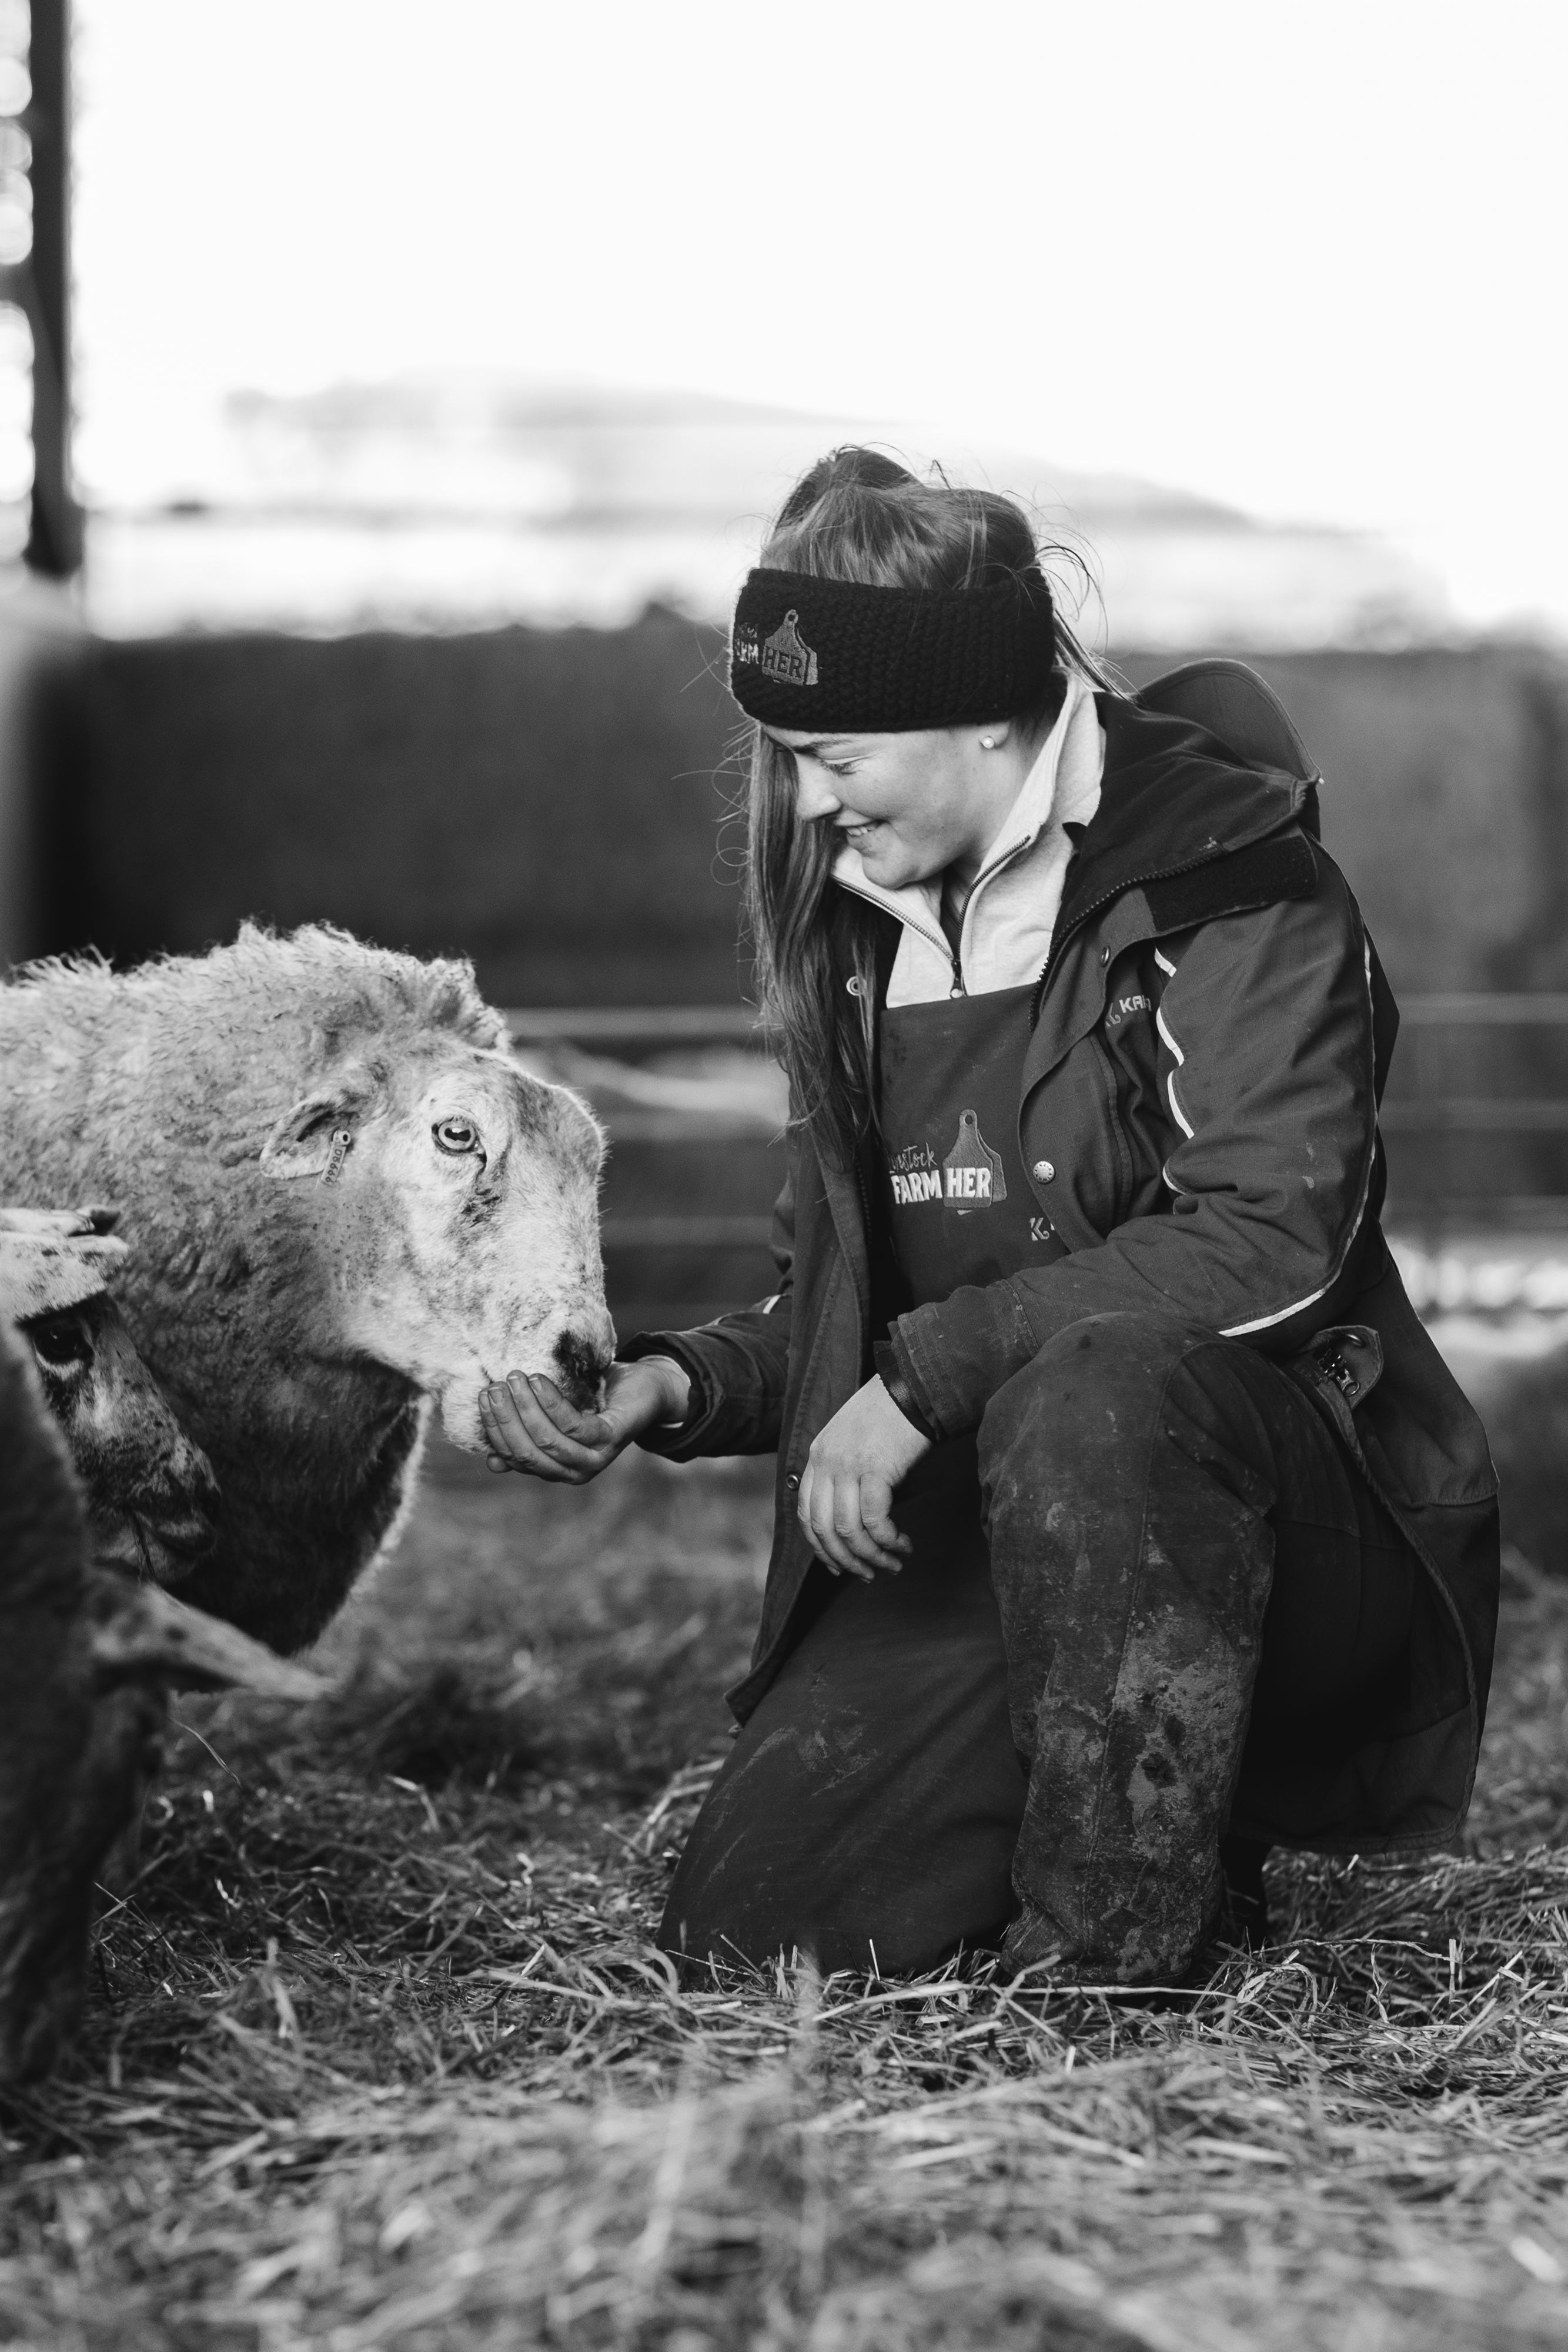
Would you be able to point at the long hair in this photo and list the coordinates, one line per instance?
(857, 515)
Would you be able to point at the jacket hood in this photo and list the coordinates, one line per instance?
(1172, 797)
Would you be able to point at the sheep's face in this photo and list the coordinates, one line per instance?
(152, 1501)
(465, 1198)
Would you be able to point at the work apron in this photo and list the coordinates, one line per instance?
(879, 1778)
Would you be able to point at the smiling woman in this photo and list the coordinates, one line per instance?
(912, 801)
(1128, 1522)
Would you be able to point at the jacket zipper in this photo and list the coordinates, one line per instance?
(940, 941)
(937, 940)
(986, 874)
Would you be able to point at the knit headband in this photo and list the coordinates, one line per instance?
(842, 658)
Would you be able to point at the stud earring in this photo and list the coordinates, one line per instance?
(988, 742)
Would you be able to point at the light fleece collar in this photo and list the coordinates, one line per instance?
(1012, 909)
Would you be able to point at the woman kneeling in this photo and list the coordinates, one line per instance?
(1128, 1521)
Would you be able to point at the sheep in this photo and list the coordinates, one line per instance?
(349, 1200)
(151, 1497)
(86, 1655)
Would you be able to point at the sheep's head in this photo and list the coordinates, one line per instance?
(151, 1498)
(460, 1202)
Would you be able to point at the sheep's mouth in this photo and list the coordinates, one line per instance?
(578, 1389)
(580, 1371)
(190, 1539)
(165, 1548)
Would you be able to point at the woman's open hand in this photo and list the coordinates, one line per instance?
(845, 1501)
(529, 1425)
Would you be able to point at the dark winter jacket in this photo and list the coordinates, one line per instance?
(1198, 1115)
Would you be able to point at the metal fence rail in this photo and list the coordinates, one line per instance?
(1429, 1111)
(633, 1024)
(1543, 1010)
(1474, 1115)
(686, 1232)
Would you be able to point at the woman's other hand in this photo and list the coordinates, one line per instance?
(845, 1502)
(529, 1425)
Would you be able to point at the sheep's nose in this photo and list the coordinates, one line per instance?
(187, 1490)
(582, 1369)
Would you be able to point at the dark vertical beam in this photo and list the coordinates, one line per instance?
(55, 544)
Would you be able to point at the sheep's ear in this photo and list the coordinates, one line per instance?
(301, 1143)
(141, 1635)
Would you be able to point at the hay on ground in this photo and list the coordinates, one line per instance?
(380, 2055)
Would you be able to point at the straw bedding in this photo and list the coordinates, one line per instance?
(380, 2053)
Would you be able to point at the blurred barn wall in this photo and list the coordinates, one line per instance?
(543, 802)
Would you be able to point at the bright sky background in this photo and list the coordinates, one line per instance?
(1312, 259)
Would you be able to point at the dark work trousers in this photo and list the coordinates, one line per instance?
(1156, 1542)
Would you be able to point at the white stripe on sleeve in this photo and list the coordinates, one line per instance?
(1178, 1113)
(1299, 1305)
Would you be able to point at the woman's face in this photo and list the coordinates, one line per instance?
(913, 803)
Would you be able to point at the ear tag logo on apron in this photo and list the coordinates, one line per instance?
(972, 1174)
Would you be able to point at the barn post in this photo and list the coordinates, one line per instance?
(55, 540)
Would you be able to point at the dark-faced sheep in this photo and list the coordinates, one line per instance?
(346, 1198)
(151, 1498)
(86, 1655)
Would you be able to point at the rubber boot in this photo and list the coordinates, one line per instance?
(1126, 1472)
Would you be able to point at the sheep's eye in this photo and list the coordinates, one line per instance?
(456, 1135)
(61, 1341)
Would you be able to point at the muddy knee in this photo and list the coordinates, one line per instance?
(1094, 1390)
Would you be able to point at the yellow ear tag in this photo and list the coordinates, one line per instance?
(341, 1138)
